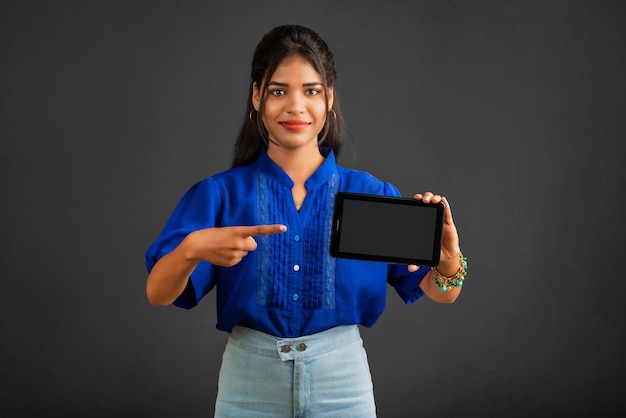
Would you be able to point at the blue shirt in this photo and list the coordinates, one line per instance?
(290, 286)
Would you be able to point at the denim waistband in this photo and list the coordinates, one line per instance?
(298, 348)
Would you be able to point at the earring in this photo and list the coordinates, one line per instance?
(333, 112)
(250, 115)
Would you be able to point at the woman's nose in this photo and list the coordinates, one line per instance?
(296, 103)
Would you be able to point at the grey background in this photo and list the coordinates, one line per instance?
(514, 110)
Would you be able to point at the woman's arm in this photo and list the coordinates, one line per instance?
(168, 278)
(450, 254)
(220, 246)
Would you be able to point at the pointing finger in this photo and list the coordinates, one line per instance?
(260, 230)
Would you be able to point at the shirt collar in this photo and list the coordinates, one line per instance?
(321, 176)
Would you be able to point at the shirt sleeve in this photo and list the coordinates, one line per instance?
(404, 282)
(197, 209)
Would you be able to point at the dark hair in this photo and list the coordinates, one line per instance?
(278, 44)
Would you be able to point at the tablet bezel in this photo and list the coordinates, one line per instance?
(336, 231)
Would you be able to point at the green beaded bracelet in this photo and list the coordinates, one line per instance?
(446, 283)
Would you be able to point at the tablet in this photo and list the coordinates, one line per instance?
(390, 229)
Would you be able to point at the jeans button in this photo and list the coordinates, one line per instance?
(302, 346)
(285, 348)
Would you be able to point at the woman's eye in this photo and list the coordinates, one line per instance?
(312, 92)
(277, 92)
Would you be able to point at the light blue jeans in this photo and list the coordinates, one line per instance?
(320, 375)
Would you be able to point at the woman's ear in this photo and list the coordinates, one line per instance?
(330, 94)
(256, 96)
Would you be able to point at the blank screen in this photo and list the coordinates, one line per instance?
(386, 229)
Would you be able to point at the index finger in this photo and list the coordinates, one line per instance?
(260, 230)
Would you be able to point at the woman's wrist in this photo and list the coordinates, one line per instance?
(449, 264)
(187, 248)
(447, 282)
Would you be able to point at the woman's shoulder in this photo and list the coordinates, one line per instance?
(231, 175)
(359, 181)
(221, 182)
(346, 172)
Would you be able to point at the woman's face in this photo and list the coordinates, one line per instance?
(295, 104)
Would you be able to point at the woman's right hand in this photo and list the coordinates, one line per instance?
(226, 246)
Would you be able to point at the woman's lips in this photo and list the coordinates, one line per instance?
(294, 125)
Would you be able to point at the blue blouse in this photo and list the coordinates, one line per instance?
(290, 286)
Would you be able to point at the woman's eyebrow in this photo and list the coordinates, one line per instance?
(276, 83)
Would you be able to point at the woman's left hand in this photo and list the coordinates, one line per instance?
(450, 250)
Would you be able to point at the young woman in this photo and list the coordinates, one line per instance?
(260, 233)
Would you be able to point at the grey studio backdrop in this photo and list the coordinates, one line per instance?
(513, 110)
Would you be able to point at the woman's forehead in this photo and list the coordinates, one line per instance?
(296, 68)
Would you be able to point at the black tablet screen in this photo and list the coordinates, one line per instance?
(388, 229)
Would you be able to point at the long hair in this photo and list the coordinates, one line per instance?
(278, 44)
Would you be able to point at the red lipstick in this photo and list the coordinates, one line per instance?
(294, 125)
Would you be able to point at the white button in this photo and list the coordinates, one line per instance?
(296, 267)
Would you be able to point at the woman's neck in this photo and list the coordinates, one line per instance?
(299, 164)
